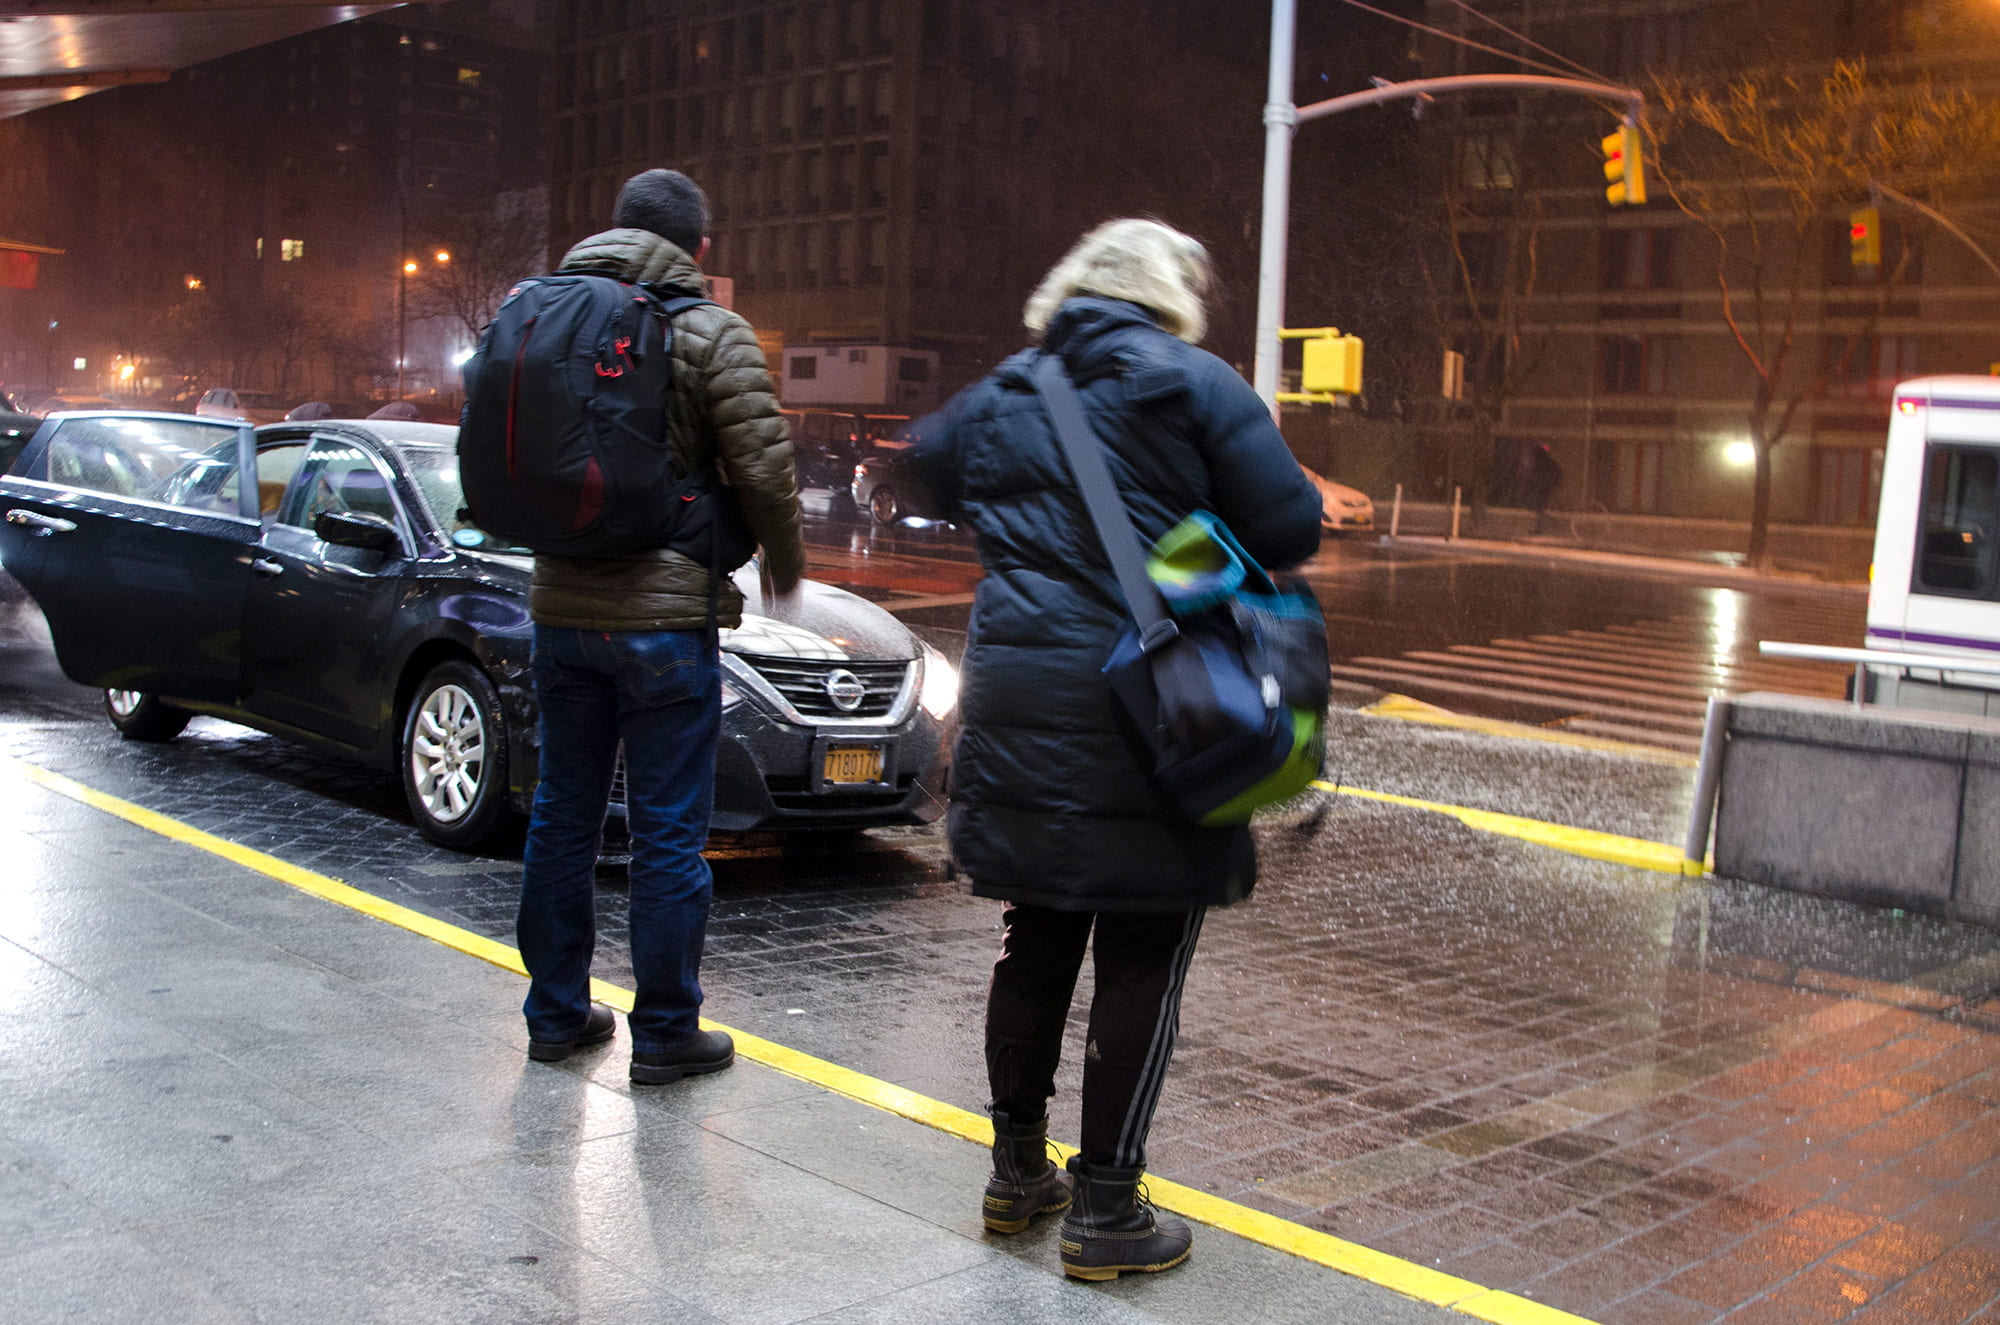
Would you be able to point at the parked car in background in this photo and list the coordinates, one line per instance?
(66, 400)
(827, 444)
(1342, 509)
(226, 402)
(877, 489)
(342, 597)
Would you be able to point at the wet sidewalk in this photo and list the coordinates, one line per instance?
(222, 1099)
(1632, 1096)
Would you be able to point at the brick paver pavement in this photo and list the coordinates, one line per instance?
(1638, 1098)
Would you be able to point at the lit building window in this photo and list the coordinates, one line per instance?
(192, 282)
(468, 78)
(260, 248)
(291, 250)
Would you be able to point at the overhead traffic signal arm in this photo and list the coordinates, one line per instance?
(1624, 166)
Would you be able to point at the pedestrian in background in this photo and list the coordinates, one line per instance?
(1054, 810)
(1541, 474)
(625, 648)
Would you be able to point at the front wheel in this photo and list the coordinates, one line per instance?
(139, 716)
(455, 757)
(882, 505)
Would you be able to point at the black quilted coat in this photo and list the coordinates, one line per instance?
(1052, 803)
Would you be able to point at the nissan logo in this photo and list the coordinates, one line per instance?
(844, 688)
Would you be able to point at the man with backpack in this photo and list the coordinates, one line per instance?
(625, 643)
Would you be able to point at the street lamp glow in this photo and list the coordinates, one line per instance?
(458, 360)
(442, 256)
(1740, 454)
(410, 267)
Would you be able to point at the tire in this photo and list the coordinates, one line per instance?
(139, 716)
(882, 505)
(453, 757)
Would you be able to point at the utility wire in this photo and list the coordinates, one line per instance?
(1530, 42)
(1515, 56)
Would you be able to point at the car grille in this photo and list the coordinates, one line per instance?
(802, 681)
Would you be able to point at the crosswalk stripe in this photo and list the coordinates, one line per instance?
(1515, 678)
(1647, 681)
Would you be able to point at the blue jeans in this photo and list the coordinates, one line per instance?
(661, 693)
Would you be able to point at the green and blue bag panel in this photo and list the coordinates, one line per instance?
(1254, 732)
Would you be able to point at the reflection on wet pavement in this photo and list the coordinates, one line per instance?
(1632, 1096)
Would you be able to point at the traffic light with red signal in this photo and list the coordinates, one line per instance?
(1624, 167)
(1864, 237)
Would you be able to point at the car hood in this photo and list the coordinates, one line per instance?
(821, 622)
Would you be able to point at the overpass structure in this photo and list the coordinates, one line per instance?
(53, 51)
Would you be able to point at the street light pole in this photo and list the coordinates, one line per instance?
(402, 322)
(1280, 118)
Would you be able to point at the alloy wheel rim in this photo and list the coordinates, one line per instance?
(448, 752)
(124, 703)
(884, 504)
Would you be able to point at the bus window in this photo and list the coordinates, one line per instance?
(1960, 512)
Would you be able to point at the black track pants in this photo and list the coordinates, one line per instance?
(1141, 963)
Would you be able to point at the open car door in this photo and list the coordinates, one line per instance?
(135, 535)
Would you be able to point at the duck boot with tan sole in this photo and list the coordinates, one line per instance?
(1025, 1183)
(1112, 1229)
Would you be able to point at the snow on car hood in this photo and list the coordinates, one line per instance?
(822, 622)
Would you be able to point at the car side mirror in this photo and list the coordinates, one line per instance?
(355, 529)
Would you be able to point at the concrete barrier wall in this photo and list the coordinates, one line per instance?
(1882, 805)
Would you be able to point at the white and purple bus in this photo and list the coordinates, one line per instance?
(1935, 585)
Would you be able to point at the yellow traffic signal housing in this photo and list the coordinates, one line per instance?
(1624, 167)
(1332, 365)
(1864, 237)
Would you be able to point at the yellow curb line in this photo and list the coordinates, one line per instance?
(1405, 709)
(1401, 1276)
(1638, 852)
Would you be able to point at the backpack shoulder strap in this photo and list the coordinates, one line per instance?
(679, 304)
(1101, 499)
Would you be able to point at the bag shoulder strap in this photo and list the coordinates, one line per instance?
(1101, 499)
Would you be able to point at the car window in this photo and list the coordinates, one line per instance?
(336, 476)
(276, 463)
(435, 470)
(185, 464)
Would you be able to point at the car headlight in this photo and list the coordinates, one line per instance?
(1354, 503)
(938, 692)
(731, 696)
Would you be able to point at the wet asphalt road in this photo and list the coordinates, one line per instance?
(1634, 1096)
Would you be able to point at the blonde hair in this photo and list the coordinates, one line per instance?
(1143, 261)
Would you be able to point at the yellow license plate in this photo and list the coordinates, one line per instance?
(849, 764)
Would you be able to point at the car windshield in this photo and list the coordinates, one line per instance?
(435, 469)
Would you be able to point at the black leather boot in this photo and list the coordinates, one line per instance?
(1112, 1229)
(1025, 1183)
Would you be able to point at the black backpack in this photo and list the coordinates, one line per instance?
(563, 445)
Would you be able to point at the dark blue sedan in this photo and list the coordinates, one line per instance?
(342, 597)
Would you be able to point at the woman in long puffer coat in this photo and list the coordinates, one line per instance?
(1054, 810)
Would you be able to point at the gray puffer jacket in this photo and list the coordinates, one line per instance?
(724, 413)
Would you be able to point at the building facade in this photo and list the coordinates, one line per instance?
(900, 173)
(1611, 344)
(247, 222)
